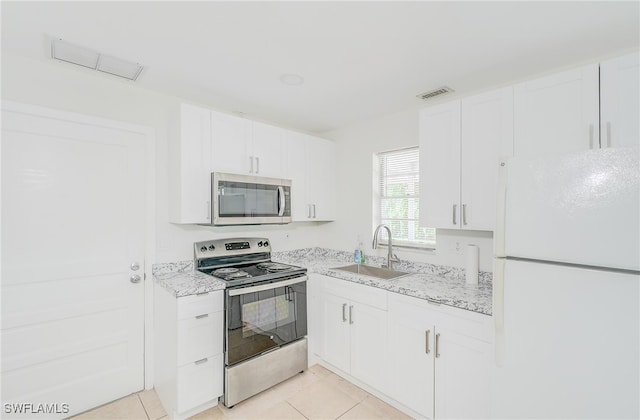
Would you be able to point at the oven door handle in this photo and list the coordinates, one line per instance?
(268, 286)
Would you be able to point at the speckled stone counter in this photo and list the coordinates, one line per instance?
(441, 284)
(181, 280)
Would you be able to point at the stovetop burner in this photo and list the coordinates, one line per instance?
(226, 270)
(237, 275)
(273, 267)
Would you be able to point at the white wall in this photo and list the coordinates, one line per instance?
(356, 146)
(70, 88)
(61, 86)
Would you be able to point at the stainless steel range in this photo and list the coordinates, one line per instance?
(265, 314)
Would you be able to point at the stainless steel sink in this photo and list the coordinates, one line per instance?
(368, 270)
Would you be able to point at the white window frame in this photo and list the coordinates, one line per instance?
(379, 180)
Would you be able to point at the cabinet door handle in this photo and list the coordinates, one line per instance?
(208, 210)
(201, 361)
(608, 134)
(455, 207)
(350, 314)
(314, 211)
(464, 214)
(251, 163)
(426, 340)
(590, 136)
(437, 345)
(309, 210)
(344, 312)
(257, 165)
(202, 316)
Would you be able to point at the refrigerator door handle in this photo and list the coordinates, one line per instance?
(498, 311)
(501, 211)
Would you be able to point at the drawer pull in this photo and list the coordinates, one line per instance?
(201, 361)
(202, 294)
(202, 316)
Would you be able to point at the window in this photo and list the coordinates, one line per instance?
(399, 203)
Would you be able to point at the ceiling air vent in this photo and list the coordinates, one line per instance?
(437, 92)
(74, 54)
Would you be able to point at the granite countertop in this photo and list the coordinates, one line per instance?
(180, 279)
(441, 284)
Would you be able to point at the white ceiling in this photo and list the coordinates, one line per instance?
(358, 59)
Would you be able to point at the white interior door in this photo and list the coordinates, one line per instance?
(73, 208)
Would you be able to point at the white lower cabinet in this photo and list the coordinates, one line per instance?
(354, 330)
(433, 360)
(189, 347)
(440, 357)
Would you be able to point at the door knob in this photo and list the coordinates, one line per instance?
(135, 266)
(135, 278)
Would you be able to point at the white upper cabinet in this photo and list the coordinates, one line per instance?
(209, 141)
(461, 143)
(440, 166)
(487, 135)
(321, 179)
(190, 174)
(311, 166)
(295, 146)
(267, 150)
(242, 146)
(230, 143)
(619, 104)
(557, 114)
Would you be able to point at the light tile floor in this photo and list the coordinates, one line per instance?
(314, 394)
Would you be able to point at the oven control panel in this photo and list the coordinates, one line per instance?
(227, 247)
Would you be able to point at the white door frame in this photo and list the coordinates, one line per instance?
(150, 194)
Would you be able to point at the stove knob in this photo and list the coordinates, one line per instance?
(266, 243)
(203, 249)
(260, 243)
(211, 247)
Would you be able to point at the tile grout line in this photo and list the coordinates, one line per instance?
(292, 406)
(143, 407)
(354, 406)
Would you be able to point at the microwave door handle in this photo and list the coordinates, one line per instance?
(281, 201)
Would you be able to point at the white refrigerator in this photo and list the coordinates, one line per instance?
(567, 287)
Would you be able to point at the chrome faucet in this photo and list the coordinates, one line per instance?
(391, 257)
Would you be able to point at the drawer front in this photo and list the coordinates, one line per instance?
(199, 382)
(200, 336)
(191, 306)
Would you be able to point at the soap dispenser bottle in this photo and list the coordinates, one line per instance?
(357, 254)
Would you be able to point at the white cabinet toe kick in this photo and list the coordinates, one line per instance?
(248, 378)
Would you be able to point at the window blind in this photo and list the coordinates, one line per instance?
(399, 186)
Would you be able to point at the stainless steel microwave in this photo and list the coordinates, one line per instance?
(249, 200)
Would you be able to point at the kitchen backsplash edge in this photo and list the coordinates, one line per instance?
(324, 253)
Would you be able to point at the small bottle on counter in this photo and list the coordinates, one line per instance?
(358, 257)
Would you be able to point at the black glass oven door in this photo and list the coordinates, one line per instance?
(263, 317)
